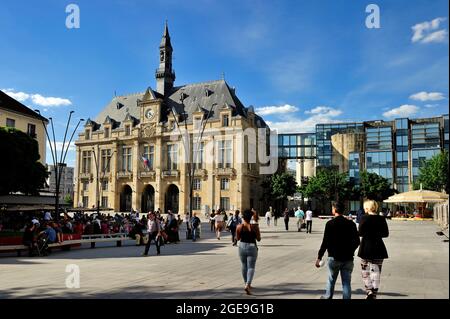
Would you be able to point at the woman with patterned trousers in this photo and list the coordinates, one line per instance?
(372, 251)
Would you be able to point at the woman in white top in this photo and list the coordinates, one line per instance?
(268, 217)
(308, 219)
(218, 218)
(255, 218)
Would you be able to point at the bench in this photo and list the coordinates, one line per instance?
(92, 239)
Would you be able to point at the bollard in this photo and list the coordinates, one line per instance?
(93, 244)
(119, 243)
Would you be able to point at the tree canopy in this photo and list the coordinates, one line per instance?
(20, 169)
(328, 184)
(434, 173)
(374, 186)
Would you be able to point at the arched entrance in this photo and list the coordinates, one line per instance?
(148, 199)
(172, 197)
(125, 199)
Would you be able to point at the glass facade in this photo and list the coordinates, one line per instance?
(297, 146)
(446, 132)
(401, 154)
(353, 165)
(425, 135)
(380, 163)
(323, 139)
(379, 138)
(418, 157)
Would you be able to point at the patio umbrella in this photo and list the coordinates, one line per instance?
(419, 196)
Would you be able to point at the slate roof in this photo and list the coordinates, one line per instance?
(8, 103)
(183, 99)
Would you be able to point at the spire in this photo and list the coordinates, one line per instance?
(165, 76)
(165, 41)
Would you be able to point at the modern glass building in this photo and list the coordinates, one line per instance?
(323, 139)
(297, 146)
(393, 149)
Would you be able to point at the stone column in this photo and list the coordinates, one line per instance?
(77, 189)
(137, 191)
(159, 166)
(114, 189)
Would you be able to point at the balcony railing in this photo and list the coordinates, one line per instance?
(200, 172)
(147, 174)
(171, 173)
(85, 176)
(225, 171)
(124, 174)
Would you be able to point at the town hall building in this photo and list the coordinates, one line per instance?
(135, 154)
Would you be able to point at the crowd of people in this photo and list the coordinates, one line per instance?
(342, 236)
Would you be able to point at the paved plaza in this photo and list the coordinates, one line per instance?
(418, 268)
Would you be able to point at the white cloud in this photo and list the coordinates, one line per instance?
(38, 99)
(49, 101)
(425, 96)
(402, 111)
(281, 109)
(19, 96)
(438, 36)
(431, 105)
(319, 115)
(422, 31)
(324, 110)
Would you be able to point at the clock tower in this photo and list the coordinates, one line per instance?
(165, 76)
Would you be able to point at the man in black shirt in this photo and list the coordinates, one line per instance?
(340, 239)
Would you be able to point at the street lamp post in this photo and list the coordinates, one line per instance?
(103, 171)
(58, 166)
(190, 166)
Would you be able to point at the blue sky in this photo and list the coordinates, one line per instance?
(298, 62)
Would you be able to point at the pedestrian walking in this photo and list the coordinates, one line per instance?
(255, 217)
(247, 234)
(268, 218)
(212, 221)
(286, 219)
(340, 239)
(154, 233)
(372, 251)
(233, 223)
(309, 215)
(300, 215)
(218, 218)
(195, 222)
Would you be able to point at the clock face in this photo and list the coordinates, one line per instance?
(149, 114)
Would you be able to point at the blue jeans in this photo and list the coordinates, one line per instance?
(345, 268)
(194, 233)
(248, 253)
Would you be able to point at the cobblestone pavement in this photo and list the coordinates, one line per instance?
(417, 268)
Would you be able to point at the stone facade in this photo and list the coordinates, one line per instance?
(138, 145)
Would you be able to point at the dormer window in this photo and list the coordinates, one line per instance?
(225, 120)
(106, 132)
(197, 122)
(87, 134)
(127, 130)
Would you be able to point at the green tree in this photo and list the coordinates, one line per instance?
(68, 199)
(20, 170)
(374, 186)
(278, 187)
(433, 175)
(328, 184)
